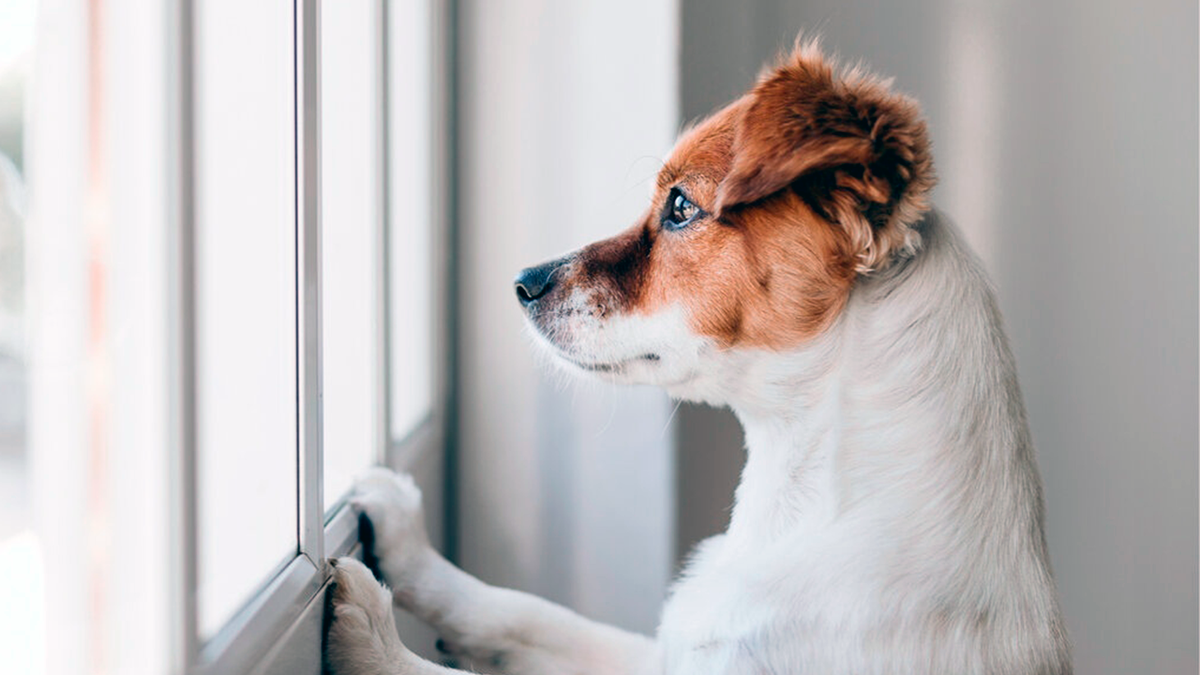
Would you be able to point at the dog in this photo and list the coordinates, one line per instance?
(889, 519)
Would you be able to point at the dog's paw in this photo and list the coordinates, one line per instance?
(362, 635)
(392, 503)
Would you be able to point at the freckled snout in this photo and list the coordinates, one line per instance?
(535, 282)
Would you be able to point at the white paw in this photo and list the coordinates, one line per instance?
(392, 502)
(362, 634)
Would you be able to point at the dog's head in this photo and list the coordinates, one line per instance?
(760, 222)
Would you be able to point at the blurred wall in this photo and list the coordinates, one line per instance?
(565, 112)
(1065, 135)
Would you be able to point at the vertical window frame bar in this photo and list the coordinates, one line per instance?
(383, 276)
(443, 17)
(308, 270)
(439, 223)
(181, 318)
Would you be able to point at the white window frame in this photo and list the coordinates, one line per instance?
(250, 635)
(111, 235)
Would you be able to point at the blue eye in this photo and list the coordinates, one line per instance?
(679, 211)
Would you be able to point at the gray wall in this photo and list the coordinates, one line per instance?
(565, 489)
(1066, 139)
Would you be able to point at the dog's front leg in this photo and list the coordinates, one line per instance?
(508, 630)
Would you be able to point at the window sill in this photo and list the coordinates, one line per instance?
(247, 638)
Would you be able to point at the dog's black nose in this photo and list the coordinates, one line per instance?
(535, 282)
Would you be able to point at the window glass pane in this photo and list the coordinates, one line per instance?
(350, 207)
(410, 215)
(246, 306)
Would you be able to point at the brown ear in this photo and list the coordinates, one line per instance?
(856, 151)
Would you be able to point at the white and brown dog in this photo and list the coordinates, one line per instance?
(889, 518)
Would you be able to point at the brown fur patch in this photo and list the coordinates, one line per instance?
(807, 180)
(858, 151)
(771, 277)
(620, 266)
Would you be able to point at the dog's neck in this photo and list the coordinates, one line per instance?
(907, 400)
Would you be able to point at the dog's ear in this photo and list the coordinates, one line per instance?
(856, 151)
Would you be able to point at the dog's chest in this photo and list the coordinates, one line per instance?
(765, 608)
(719, 618)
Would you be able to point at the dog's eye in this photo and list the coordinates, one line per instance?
(679, 211)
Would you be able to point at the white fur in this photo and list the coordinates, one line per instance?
(889, 517)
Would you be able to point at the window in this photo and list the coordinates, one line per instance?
(245, 301)
(410, 179)
(352, 259)
(237, 222)
(291, 292)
